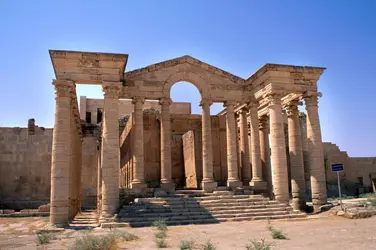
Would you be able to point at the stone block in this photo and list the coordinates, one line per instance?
(209, 186)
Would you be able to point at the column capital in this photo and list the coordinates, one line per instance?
(243, 110)
(111, 89)
(263, 122)
(274, 98)
(292, 108)
(63, 88)
(206, 102)
(311, 98)
(165, 101)
(229, 103)
(138, 100)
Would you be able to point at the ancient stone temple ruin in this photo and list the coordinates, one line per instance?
(219, 154)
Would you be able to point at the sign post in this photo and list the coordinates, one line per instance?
(338, 167)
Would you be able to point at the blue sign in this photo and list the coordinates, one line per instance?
(337, 167)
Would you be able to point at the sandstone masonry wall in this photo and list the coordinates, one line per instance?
(25, 167)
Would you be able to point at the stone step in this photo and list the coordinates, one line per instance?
(219, 207)
(148, 213)
(192, 216)
(207, 207)
(215, 220)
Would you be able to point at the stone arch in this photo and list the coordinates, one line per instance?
(193, 78)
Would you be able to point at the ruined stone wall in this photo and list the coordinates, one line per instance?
(357, 175)
(25, 167)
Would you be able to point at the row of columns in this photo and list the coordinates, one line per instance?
(275, 179)
(66, 156)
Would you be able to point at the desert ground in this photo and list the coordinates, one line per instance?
(324, 231)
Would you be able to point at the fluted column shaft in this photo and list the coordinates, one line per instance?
(232, 157)
(61, 150)
(166, 181)
(296, 157)
(315, 151)
(138, 170)
(207, 183)
(257, 181)
(278, 150)
(265, 153)
(110, 149)
(244, 147)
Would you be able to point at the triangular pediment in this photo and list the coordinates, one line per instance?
(184, 60)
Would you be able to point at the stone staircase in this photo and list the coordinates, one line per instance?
(200, 208)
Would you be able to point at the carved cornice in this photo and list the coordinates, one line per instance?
(111, 89)
(63, 88)
(185, 59)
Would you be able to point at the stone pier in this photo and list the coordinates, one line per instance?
(110, 150)
(208, 184)
(244, 147)
(278, 150)
(61, 154)
(315, 151)
(257, 182)
(166, 181)
(296, 157)
(138, 182)
(232, 156)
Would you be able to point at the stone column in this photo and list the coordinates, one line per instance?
(315, 151)
(278, 150)
(99, 176)
(257, 181)
(138, 182)
(303, 129)
(265, 153)
(208, 184)
(296, 156)
(166, 181)
(60, 162)
(110, 150)
(232, 157)
(244, 147)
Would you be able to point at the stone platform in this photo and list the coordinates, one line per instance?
(200, 208)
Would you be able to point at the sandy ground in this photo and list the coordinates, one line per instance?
(320, 232)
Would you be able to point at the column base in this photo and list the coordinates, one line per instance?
(234, 183)
(168, 187)
(138, 187)
(209, 186)
(258, 185)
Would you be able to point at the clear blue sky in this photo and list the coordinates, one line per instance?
(237, 36)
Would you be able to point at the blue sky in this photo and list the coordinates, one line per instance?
(237, 36)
